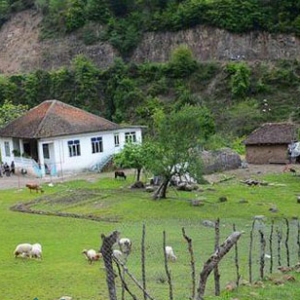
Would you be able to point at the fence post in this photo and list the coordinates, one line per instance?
(279, 238)
(216, 269)
(214, 260)
(167, 269)
(106, 250)
(262, 254)
(250, 252)
(298, 239)
(236, 260)
(143, 261)
(190, 247)
(287, 241)
(271, 247)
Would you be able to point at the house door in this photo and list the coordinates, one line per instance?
(49, 158)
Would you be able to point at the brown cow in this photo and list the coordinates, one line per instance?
(120, 174)
(34, 186)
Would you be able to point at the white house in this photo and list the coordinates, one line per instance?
(56, 138)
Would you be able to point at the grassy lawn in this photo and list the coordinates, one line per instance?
(64, 271)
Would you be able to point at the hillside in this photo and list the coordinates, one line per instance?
(244, 80)
(22, 51)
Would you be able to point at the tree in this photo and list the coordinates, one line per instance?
(9, 112)
(131, 156)
(174, 148)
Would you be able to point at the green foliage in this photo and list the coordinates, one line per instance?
(86, 80)
(239, 78)
(98, 10)
(9, 112)
(182, 62)
(131, 156)
(75, 15)
(172, 149)
(244, 117)
(7, 89)
(123, 34)
(4, 11)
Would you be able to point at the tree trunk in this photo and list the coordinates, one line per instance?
(138, 176)
(162, 190)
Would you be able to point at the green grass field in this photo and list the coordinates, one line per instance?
(64, 270)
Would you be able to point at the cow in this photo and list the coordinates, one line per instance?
(120, 174)
(36, 187)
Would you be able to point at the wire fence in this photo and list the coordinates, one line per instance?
(146, 272)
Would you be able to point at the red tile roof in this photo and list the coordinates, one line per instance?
(54, 118)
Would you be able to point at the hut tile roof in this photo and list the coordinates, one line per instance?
(272, 133)
(54, 118)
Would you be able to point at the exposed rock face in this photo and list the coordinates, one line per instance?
(215, 44)
(22, 51)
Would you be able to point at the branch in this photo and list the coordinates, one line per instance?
(214, 260)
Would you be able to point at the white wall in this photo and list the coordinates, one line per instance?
(59, 153)
(66, 164)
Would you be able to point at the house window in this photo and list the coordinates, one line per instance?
(117, 141)
(7, 149)
(97, 144)
(130, 137)
(74, 148)
(46, 151)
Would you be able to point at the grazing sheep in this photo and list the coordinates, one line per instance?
(23, 250)
(36, 251)
(118, 255)
(125, 245)
(170, 253)
(33, 186)
(91, 255)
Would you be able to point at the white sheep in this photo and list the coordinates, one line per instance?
(170, 253)
(125, 245)
(91, 255)
(23, 250)
(36, 251)
(118, 255)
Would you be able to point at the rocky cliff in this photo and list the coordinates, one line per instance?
(22, 51)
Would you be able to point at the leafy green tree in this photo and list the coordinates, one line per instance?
(239, 78)
(173, 150)
(7, 89)
(98, 10)
(182, 62)
(4, 11)
(131, 156)
(86, 81)
(75, 15)
(9, 112)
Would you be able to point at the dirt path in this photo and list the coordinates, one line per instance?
(253, 171)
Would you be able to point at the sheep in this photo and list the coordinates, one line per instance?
(23, 250)
(170, 253)
(91, 255)
(36, 251)
(36, 187)
(117, 254)
(125, 245)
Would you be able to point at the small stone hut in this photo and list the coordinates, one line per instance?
(268, 144)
